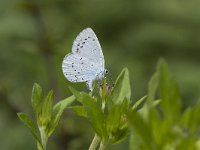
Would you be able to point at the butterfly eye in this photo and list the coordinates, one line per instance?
(106, 71)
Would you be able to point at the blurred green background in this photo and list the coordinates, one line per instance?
(36, 35)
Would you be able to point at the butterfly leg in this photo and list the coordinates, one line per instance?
(89, 86)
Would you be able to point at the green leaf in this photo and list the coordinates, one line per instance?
(152, 87)
(122, 88)
(79, 110)
(119, 135)
(47, 108)
(142, 129)
(57, 112)
(31, 126)
(37, 98)
(191, 118)
(113, 119)
(156, 102)
(116, 122)
(169, 92)
(136, 105)
(77, 94)
(136, 142)
(95, 115)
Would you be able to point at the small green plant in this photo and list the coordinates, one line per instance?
(157, 121)
(107, 113)
(167, 126)
(47, 116)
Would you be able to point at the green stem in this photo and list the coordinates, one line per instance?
(95, 142)
(103, 106)
(39, 146)
(44, 137)
(102, 146)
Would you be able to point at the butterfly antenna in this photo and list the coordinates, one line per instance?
(113, 84)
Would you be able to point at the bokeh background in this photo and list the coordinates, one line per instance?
(36, 35)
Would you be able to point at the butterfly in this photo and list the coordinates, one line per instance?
(86, 61)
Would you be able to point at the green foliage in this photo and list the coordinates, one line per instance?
(36, 99)
(169, 92)
(30, 124)
(122, 88)
(35, 35)
(47, 115)
(107, 114)
(80, 111)
(138, 103)
(57, 112)
(164, 126)
(156, 121)
(47, 109)
(91, 110)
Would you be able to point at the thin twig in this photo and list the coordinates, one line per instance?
(95, 142)
(102, 146)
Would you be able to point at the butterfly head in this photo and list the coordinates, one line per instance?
(106, 71)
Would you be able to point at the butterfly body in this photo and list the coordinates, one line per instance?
(86, 61)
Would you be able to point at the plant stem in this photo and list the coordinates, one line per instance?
(95, 142)
(39, 146)
(44, 137)
(103, 106)
(102, 146)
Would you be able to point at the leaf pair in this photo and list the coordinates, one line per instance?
(47, 116)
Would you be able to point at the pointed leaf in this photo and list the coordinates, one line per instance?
(77, 94)
(169, 92)
(37, 98)
(156, 102)
(142, 129)
(30, 124)
(95, 115)
(47, 108)
(193, 119)
(136, 105)
(136, 142)
(114, 118)
(122, 88)
(79, 110)
(152, 87)
(57, 112)
(120, 135)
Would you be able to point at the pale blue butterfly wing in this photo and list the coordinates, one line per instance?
(86, 62)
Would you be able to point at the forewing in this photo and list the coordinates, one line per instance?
(78, 68)
(87, 45)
